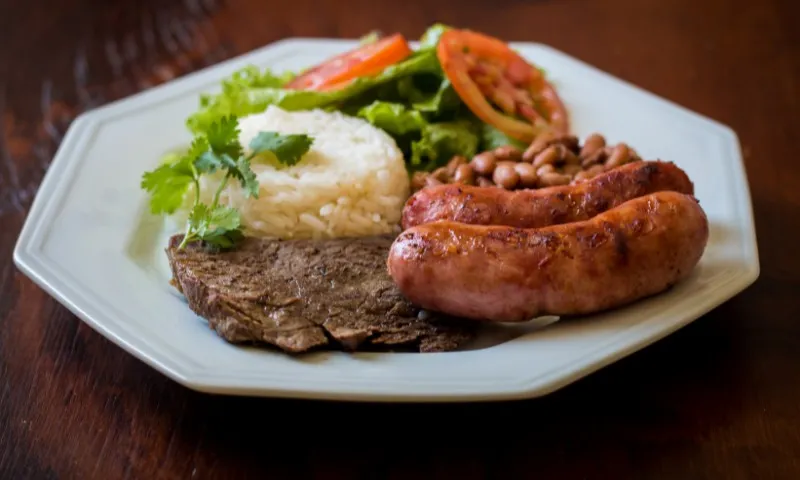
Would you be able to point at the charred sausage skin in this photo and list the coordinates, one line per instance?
(546, 206)
(507, 274)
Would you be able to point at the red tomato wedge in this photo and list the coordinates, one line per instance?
(488, 76)
(363, 61)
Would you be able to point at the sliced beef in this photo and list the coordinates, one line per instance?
(300, 295)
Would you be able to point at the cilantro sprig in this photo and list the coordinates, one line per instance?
(218, 149)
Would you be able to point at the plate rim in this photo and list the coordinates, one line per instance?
(85, 124)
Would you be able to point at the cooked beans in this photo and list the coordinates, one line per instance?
(589, 173)
(597, 157)
(527, 174)
(535, 148)
(545, 169)
(568, 157)
(441, 174)
(418, 180)
(548, 156)
(464, 174)
(484, 163)
(582, 176)
(508, 153)
(454, 163)
(431, 181)
(546, 140)
(593, 143)
(619, 156)
(550, 160)
(505, 176)
(552, 179)
(508, 163)
(571, 169)
(485, 182)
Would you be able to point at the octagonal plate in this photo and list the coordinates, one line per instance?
(90, 243)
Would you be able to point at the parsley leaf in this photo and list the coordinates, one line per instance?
(210, 162)
(288, 149)
(223, 137)
(219, 226)
(247, 177)
(199, 146)
(167, 185)
(222, 239)
(218, 149)
(224, 217)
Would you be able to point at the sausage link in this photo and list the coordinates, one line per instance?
(505, 274)
(545, 206)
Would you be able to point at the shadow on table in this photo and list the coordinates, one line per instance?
(679, 391)
(667, 398)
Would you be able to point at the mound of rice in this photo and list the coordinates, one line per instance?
(352, 182)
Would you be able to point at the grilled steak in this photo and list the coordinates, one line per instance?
(300, 295)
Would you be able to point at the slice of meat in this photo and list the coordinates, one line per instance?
(300, 295)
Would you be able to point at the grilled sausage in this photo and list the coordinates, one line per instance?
(500, 273)
(546, 206)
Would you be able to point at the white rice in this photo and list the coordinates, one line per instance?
(352, 181)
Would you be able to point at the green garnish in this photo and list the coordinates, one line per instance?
(288, 149)
(218, 149)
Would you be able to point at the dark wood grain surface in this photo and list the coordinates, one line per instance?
(718, 399)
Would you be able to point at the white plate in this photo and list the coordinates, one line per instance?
(91, 244)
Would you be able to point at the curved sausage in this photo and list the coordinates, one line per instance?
(546, 206)
(507, 274)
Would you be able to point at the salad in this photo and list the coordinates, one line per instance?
(459, 92)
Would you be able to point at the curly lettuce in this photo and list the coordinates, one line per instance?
(249, 91)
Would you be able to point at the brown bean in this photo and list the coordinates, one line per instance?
(553, 179)
(596, 169)
(432, 181)
(418, 180)
(484, 163)
(598, 157)
(593, 143)
(589, 173)
(581, 176)
(441, 174)
(548, 156)
(527, 174)
(568, 156)
(453, 164)
(570, 142)
(619, 156)
(537, 146)
(505, 176)
(547, 139)
(544, 169)
(464, 174)
(508, 152)
(485, 182)
(506, 162)
(571, 169)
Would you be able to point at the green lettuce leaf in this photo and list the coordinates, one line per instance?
(395, 118)
(242, 95)
(441, 141)
(430, 39)
(444, 99)
(412, 101)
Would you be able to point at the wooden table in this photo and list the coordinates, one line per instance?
(719, 399)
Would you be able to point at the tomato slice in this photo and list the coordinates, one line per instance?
(366, 60)
(486, 73)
